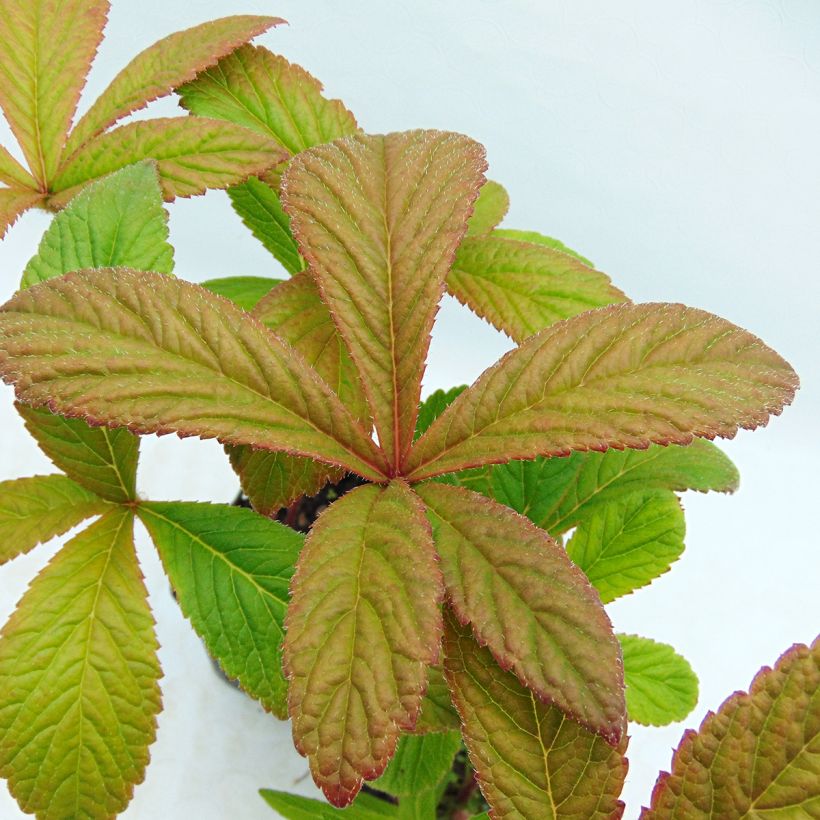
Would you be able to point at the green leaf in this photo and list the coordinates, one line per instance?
(557, 493)
(437, 711)
(540, 239)
(13, 174)
(103, 461)
(13, 202)
(420, 763)
(378, 219)
(152, 353)
(245, 291)
(296, 807)
(758, 756)
(434, 405)
(533, 762)
(521, 288)
(490, 208)
(118, 220)
(158, 69)
(529, 605)
(621, 376)
(47, 51)
(363, 625)
(78, 679)
(628, 543)
(34, 510)
(260, 208)
(661, 687)
(266, 93)
(192, 155)
(230, 569)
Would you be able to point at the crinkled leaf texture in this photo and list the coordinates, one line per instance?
(661, 687)
(152, 353)
(621, 376)
(529, 605)
(758, 756)
(34, 510)
(532, 761)
(363, 625)
(378, 218)
(78, 679)
(230, 570)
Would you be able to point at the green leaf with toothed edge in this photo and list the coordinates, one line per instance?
(434, 405)
(34, 510)
(230, 569)
(420, 763)
(621, 376)
(757, 756)
(627, 543)
(296, 807)
(661, 687)
(539, 239)
(378, 218)
(531, 760)
(156, 70)
(245, 291)
(529, 605)
(437, 711)
(521, 288)
(78, 679)
(150, 352)
(490, 208)
(361, 631)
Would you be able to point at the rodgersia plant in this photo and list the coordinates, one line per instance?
(437, 596)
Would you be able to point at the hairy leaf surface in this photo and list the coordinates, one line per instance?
(490, 208)
(296, 807)
(378, 218)
(192, 154)
(521, 287)
(230, 570)
(153, 353)
(103, 461)
(118, 220)
(34, 510)
(158, 69)
(627, 543)
(434, 405)
(245, 291)
(621, 376)
(363, 625)
(78, 679)
(661, 687)
(437, 711)
(758, 756)
(47, 50)
(13, 202)
(532, 761)
(525, 601)
(420, 763)
(539, 239)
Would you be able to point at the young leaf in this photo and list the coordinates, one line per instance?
(627, 543)
(245, 291)
(192, 154)
(47, 51)
(266, 93)
(118, 220)
(557, 493)
(378, 218)
(540, 239)
(490, 208)
(78, 679)
(521, 288)
(13, 202)
(158, 69)
(103, 461)
(13, 174)
(152, 353)
(759, 756)
(622, 376)
(525, 601)
(420, 763)
(434, 405)
(33, 510)
(437, 711)
(230, 570)
(363, 625)
(296, 807)
(661, 687)
(532, 761)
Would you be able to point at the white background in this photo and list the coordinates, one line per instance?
(674, 144)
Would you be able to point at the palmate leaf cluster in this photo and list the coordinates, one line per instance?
(437, 597)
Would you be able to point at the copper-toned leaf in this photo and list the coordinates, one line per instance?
(378, 219)
(757, 756)
(621, 376)
(13, 202)
(363, 625)
(13, 174)
(529, 605)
